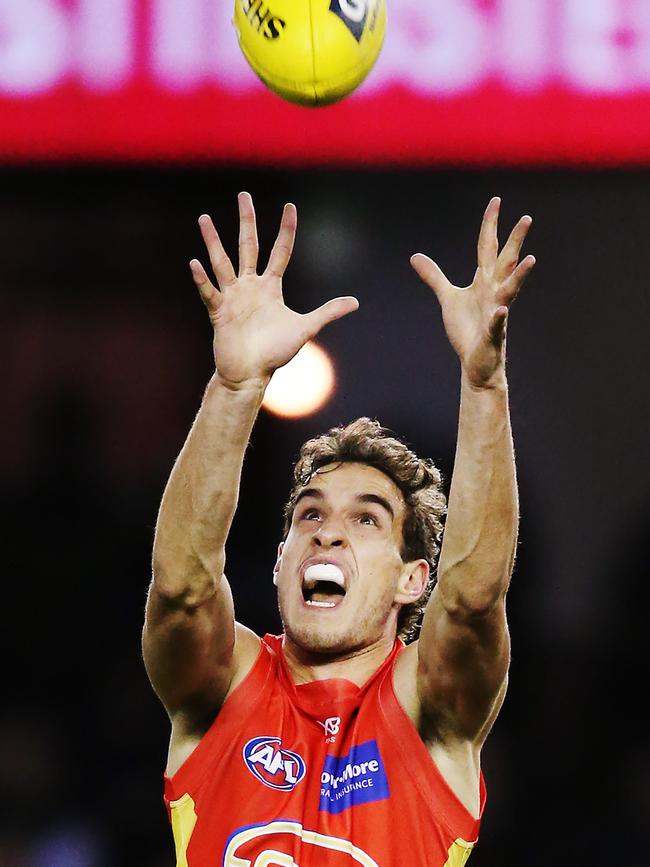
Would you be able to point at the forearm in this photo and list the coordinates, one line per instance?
(200, 499)
(481, 529)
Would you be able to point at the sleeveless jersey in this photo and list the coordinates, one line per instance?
(323, 774)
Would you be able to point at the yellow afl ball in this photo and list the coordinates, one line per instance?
(311, 52)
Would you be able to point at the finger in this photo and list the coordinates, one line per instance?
(283, 247)
(509, 256)
(210, 295)
(498, 325)
(432, 275)
(221, 264)
(329, 312)
(513, 284)
(248, 244)
(488, 242)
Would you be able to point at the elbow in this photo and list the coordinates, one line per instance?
(186, 589)
(471, 600)
(475, 607)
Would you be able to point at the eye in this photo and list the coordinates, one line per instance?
(368, 519)
(310, 515)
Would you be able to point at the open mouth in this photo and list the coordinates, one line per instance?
(323, 585)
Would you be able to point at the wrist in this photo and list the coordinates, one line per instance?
(246, 389)
(496, 381)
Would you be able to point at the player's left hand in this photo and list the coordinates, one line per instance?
(476, 316)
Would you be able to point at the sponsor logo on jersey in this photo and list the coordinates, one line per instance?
(331, 725)
(356, 778)
(276, 767)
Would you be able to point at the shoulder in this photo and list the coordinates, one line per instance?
(253, 660)
(248, 655)
(248, 649)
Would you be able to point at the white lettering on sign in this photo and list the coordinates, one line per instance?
(524, 58)
(34, 49)
(592, 55)
(178, 49)
(436, 46)
(640, 52)
(106, 42)
(443, 47)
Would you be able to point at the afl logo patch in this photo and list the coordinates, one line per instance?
(274, 766)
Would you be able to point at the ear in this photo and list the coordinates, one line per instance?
(278, 563)
(412, 582)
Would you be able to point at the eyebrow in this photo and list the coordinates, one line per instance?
(309, 492)
(360, 498)
(380, 501)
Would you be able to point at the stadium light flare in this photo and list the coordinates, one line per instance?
(303, 385)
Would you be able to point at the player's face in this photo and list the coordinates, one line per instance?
(341, 578)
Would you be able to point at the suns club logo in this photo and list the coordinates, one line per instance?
(273, 765)
(353, 13)
(276, 843)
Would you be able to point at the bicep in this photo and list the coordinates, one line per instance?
(189, 650)
(462, 669)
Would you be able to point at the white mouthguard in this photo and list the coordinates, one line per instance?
(324, 572)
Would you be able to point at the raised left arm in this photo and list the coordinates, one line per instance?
(464, 649)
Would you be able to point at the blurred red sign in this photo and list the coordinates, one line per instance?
(458, 81)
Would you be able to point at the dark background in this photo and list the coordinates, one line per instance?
(106, 350)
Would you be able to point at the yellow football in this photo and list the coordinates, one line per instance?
(312, 52)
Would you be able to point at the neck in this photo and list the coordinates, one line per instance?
(357, 666)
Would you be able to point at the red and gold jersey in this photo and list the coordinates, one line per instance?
(323, 774)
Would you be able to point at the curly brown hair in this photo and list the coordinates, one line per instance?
(366, 441)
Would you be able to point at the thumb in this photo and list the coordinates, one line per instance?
(431, 273)
(498, 325)
(332, 310)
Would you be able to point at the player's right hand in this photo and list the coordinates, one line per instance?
(254, 331)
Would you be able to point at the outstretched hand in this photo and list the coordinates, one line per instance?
(476, 317)
(254, 331)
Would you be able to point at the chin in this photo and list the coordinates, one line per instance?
(322, 641)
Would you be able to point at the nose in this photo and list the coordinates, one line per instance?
(329, 535)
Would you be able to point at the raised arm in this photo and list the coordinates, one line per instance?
(464, 648)
(193, 649)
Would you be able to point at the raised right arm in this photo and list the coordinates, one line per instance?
(193, 650)
(189, 637)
